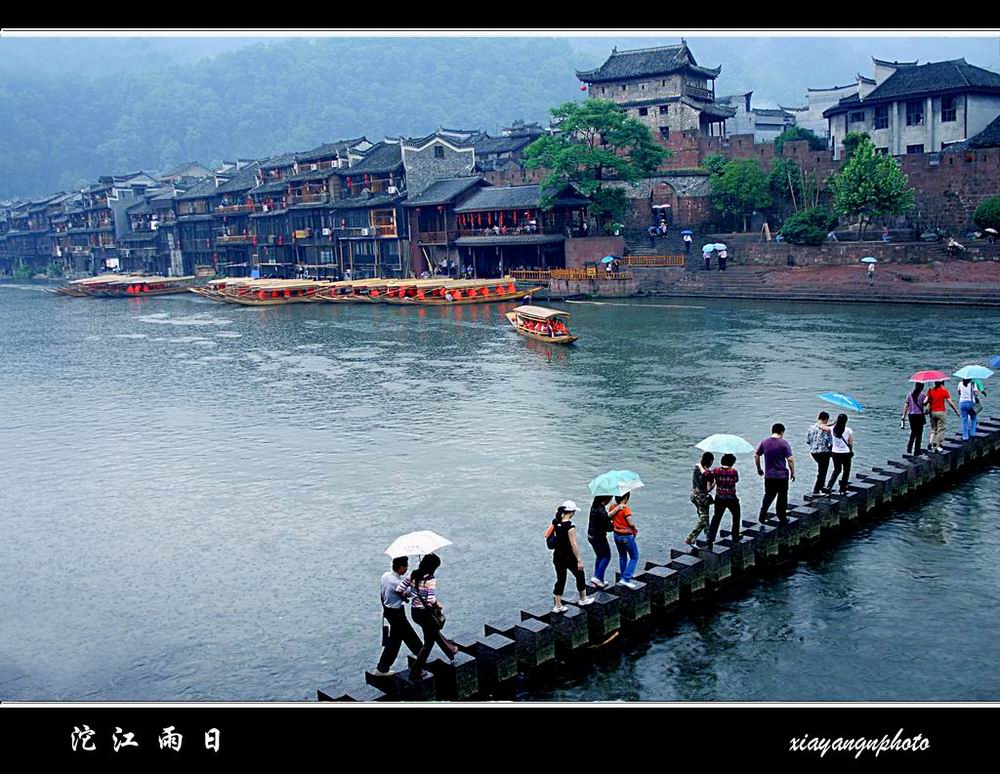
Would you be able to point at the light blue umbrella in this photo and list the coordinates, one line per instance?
(869, 259)
(839, 399)
(614, 483)
(720, 246)
(607, 259)
(720, 443)
(973, 372)
(708, 248)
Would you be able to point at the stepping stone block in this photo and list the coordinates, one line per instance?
(404, 685)
(359, 693)
(809, 520)
(718, 561)
(690, 574)
(765, 539)
(883, 486)
(453, 680)
(535, 641)
(741, 551)
(663, 584)
(495, 655)
(788, 531)
(866, 494)
(635, 604)
(603, 616)
(570, 626)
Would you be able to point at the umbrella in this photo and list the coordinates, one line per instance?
(614, 482)
(721, 443)
(607, 259)
(995, 362)
(839, 399)
(414, 543)
(991, 230)
(719, 246)
(929, 376)
(973, 372)
(686, 231)
(869, 259)
(708, 248)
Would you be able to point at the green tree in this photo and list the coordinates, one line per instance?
(870, 186)
(851, 142)
(784, 182)
(987, 214)
(808, 227)
(739, 188)
(816, 142)
(714, 163)
(597, 141)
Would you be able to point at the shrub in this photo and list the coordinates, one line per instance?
(988, 213)
(809, 227)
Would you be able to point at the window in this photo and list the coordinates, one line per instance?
(914, 148)
(665, 132)
(882, 151)
(914, 112)
(948, 109)
(642, 86)
(643, 111)
(882, 117)
(857, 117)
(439, 151)
(664, 109)
(624, 87)
(603, 89)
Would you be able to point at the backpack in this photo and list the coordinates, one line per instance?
(550, 537)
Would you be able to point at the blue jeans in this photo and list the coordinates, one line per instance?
(628, 555)
(969, 421)
(603, 551)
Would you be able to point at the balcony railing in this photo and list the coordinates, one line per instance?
(367, 231)
(529, 275)
(698, 93)
(436, 237)
(234, 239)
(229, 209)
(653, 260)
(310, 198)
(591, 273)
(504, 231)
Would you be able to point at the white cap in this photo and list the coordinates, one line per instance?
(569, 505)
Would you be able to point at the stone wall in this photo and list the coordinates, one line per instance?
(583, 250)
(847, 253)
(423, 168)
(599, 287)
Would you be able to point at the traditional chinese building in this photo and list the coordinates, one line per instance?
(663, 87)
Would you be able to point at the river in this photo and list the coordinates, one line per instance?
(198, 496)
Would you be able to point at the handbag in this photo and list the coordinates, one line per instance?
(436, 613)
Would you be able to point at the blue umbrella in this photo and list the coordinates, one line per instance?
(607, 259)
(869, 259)
(839, 399)
(686, 231)
(721, 443)
(708, 248)
(973, 372)
(614, 482)
(720, 246)
(995, 362)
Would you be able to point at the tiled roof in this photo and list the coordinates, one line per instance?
(204, 189)
(182, 168)
(381, 157)
(510, 239)
(642, 62)
(276, 187)
(513, 197)
(443, 191)
(988, 138)
(312, 174)
(381, 200)
(419, 142)
(142, 208)
(331, 149)
(487, 145)
(275, 162)
(243, 180)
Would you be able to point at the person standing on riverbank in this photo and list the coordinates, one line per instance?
(913, 412)
(566, 556)
(598, 528)
(625, 532)
(707, 255)
(779, 465)
(968, 396)
(394, 613)
(938, 399)
(420, 586)
(701, 484)
(820, 445)
(843, 452)
(726, 479)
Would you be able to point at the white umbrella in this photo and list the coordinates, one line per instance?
(720, 247)
(417, 543)
(721, 443)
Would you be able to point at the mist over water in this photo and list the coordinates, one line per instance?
(197, 496)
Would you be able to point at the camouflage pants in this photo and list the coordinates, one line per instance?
(701, 502)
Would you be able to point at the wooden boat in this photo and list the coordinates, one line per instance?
(461, 292)
(272, 292)
(542, 314)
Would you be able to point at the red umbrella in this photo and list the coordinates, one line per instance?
(929, 376)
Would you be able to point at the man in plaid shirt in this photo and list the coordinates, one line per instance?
(726, 479)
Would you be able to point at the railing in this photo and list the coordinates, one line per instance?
(436, 237)
(653, 260)
(234, 239)
(504, 232)
(233, 208)
(697, 92)
(386, 231)
(529, 275)
(310, 198)
(368, 231)
(592, 273)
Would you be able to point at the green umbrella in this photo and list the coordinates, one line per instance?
(614, 483)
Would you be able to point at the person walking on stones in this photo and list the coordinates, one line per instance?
(779, 465)
(843, 452)
(913, 412)
(820, 444)
(726, 478)
(394, 614)
(968, 397)
(701, 485)
(566, 556)
(938, 399)
(625, 532)
(598, 528)
(420, 586)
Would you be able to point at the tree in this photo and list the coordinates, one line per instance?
(809, 227)
(792, 133)
(783, 182)
(851, 141)
(870, 186)
(987, 214)
(597, 142)
(739, 188)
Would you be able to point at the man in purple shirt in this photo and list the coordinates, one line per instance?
(776, 452)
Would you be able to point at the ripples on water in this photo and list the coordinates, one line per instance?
(199, 511)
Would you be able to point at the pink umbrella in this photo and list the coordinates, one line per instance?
(929, 376)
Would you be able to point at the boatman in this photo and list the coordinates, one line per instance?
(394, 614)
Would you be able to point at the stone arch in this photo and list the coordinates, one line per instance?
(661, 194)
